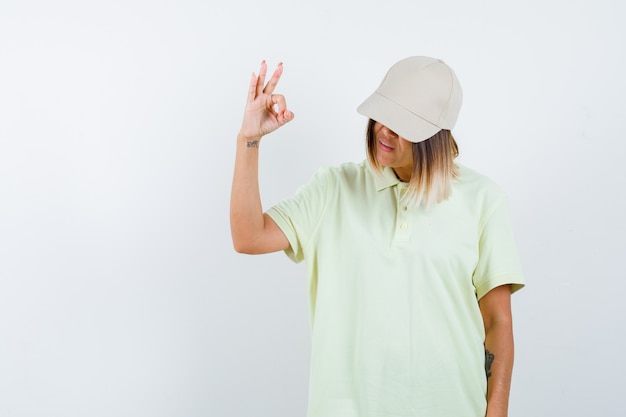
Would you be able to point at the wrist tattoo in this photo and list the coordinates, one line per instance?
(489, 357)
(252, 144)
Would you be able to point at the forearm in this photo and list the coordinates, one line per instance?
(246, 212)
(499, 354)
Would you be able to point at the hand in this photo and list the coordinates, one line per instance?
(265, 111)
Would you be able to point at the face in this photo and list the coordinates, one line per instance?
(393, 151)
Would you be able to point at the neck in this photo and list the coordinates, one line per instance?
(402, 174)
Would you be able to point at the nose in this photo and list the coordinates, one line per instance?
(388, 131)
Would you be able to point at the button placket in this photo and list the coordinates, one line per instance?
(403, 220)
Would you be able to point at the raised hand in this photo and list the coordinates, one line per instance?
(264, 111)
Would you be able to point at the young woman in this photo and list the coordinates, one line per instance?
(411, 256)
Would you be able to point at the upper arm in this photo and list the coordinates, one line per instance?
(495, 306)
(269, 239)
(273, 237)
(498, 261)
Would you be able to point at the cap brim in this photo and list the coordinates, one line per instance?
(406, 124)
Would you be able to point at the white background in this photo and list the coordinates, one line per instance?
(120, 293)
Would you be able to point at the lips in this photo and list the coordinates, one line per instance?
(385, 146)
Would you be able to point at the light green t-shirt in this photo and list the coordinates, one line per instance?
(396, 328)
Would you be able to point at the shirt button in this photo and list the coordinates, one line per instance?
(403, 226)
(405, 208)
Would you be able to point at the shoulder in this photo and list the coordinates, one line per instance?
(476, 183)
(347, 168)
(478, 191)
(342, 174)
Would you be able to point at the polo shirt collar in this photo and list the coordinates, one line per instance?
(385, 179)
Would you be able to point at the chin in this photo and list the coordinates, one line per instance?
(384, 162)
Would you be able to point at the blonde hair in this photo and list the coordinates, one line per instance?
(433, 166)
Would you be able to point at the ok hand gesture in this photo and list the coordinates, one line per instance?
(265, 111)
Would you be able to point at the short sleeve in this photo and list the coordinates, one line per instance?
(299, 216)
(498, 261)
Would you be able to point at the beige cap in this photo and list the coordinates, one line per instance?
(418, 97)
